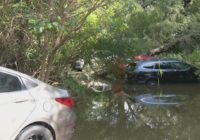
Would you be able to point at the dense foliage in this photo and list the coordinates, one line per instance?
(44, 37)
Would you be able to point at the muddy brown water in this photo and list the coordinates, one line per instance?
(105, 116)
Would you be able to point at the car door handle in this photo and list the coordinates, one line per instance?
(20, 101)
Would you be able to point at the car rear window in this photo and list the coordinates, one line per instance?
(29, 84)
(181, 66)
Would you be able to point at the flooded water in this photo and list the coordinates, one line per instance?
(139, 114)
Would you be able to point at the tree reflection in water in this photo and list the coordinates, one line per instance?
(109, 117)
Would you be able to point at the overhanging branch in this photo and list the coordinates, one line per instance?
(61, 39)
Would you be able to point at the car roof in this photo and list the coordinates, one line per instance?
(13, 72)
(156, 60)
(162, 60)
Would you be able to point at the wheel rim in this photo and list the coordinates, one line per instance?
(36, 137)
(152, 83)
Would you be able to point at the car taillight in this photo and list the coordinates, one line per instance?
(68, 101)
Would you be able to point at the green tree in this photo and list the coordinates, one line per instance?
(54, 23)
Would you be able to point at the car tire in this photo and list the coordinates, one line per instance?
(35, 132)
(152, 83)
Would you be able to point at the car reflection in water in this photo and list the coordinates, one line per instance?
(161, 100)
(108, 116)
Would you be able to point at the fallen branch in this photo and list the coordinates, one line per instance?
(168, 46)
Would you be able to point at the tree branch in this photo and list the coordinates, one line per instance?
(168, 46)
(61, 39)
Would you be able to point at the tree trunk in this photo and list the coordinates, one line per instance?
(171, 45)
(62, 38)
(46, 66)
(48, 60)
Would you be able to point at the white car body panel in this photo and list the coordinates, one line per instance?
(16, 108)
(35, 105)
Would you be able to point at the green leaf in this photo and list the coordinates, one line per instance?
(59, 18)
(66, 5)
(56, 24)
(49, 26)
(16, 5)
(32, 21)
(41, 29)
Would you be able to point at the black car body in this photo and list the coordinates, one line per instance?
(162, 71)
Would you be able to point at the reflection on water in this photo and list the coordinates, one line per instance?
(106, 116)
(161, 100)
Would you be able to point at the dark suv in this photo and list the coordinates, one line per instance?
(156, 71)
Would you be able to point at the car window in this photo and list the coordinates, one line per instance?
(148, 66)
(29, 84)
(181, 66)
(163, 66)
(9, 83)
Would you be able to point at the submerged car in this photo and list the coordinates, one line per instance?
(33, 110)
(124, 66)
(155, 71)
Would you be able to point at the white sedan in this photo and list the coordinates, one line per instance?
(33, 110)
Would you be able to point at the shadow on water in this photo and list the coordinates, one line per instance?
(105, 116)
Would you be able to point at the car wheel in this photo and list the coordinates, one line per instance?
(152, 83)
(35, 132)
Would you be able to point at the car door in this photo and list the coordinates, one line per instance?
(165, 72)
(16, 104)
(184, 72)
